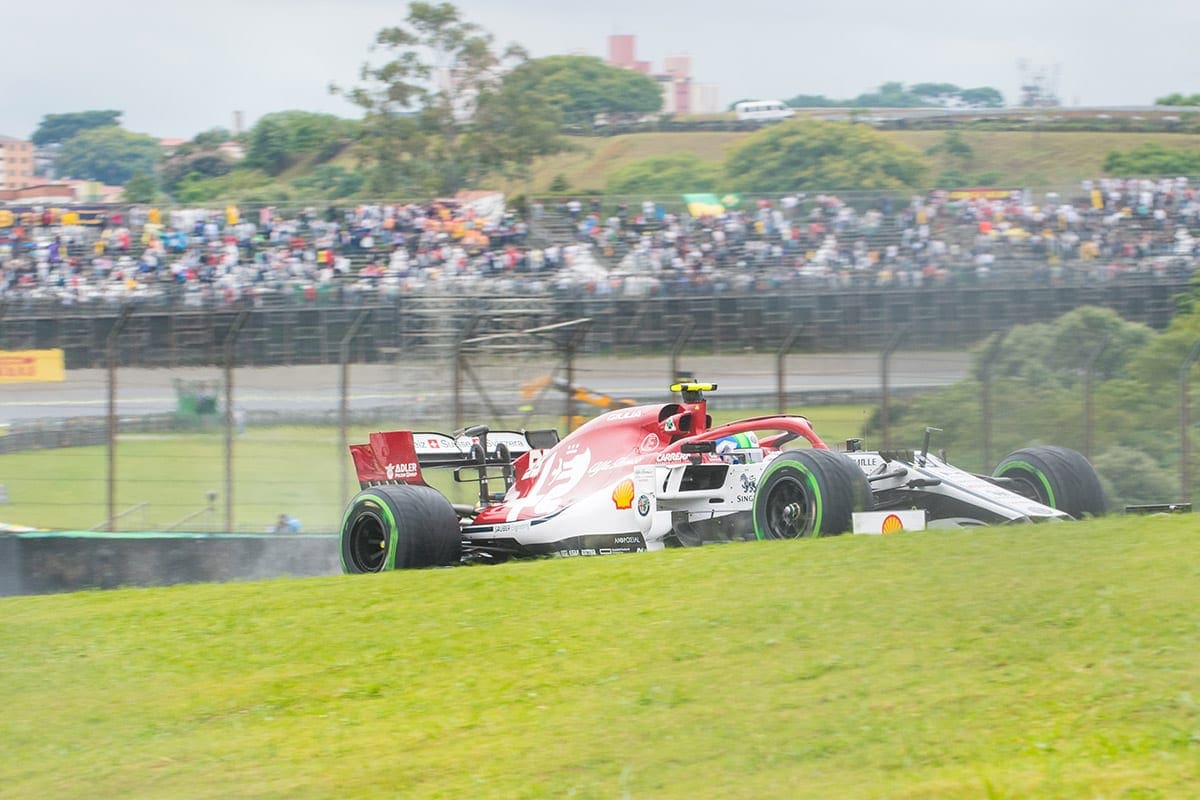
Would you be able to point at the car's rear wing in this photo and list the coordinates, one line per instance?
(398, 456)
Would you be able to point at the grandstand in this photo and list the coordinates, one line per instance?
(871, 259)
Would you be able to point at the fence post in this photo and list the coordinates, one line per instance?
(1089, 423)
(344, 405)
(885, 400)
(681, 339)
(459, 366)
(780, 367)
(566, 337)
(1185, 424)
(569, 360)
(985, 395)
(111, 348)
(230, 339)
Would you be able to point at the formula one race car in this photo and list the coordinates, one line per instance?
(654, 476)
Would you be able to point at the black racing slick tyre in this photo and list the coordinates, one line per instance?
(1055, 476)
(399, 527)
(805, 493)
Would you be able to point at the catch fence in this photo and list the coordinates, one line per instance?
(236, 447)
(422, 327)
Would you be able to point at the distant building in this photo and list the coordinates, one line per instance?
(169, 146)
(681, 95)
(40, 194)
(706, 98)
(678, 70)
(44, 158)
(232, 150)
(678, 66)
(16, 164)
(62, 192)
(622, 52)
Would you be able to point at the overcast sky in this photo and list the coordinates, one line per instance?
(178, 68)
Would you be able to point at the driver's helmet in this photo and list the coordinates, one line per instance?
(739, 448)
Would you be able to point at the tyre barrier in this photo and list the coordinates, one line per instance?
(49, 562)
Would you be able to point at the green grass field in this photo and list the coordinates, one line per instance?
(1053, 661)
(166, 479)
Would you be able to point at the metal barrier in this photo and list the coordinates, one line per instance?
(71, 561)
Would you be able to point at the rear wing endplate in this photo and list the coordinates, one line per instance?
(399, 456)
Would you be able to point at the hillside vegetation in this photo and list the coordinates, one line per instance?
(337, 169)
(1026, 661)
(1033, 159)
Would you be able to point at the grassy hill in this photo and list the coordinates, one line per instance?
(1044, 159)
(1017, 158)
(587, 164)
(1024, 158)
(1053, 661)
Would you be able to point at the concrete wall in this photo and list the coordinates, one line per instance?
(46, 563)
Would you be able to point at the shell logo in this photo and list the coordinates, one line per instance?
(622, 496)
(891, 524)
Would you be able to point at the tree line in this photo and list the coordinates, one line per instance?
(895, 95)
(1039, 375)
(444, 107)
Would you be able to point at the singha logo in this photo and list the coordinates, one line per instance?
(748, 484)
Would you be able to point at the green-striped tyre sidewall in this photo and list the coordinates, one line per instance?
(1061, 477)
(1009, 467)
(417, 527)
(784, 463)
(379, 504)
(835, 488)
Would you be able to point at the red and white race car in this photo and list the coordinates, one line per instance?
(654, 476)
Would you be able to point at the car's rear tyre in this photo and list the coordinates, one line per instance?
(399, 527)
(804, 493)
(1055, 476)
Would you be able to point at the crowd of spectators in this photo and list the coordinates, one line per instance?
(1111, 229)
(1106, 230)
(226, 255)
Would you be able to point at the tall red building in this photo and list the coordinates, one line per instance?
(622, 52)
(681, 95)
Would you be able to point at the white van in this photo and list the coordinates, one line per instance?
(762, 110)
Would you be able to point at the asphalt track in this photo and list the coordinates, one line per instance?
(428, 387)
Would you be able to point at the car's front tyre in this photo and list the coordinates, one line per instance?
(804, 493)
(1058, 477)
